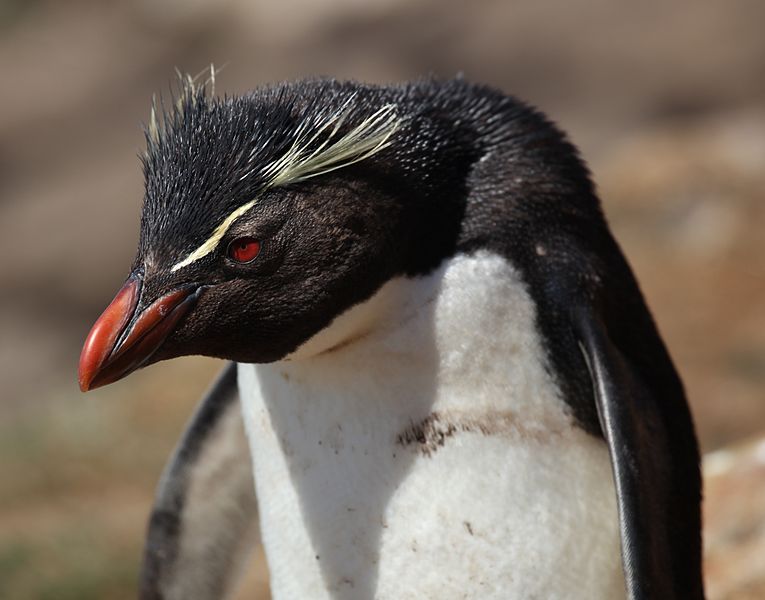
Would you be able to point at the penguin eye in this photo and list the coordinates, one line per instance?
(243, 249)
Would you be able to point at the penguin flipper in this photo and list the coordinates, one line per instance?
(204, 521)
(657, 503)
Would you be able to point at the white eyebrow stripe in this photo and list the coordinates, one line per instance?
(212, 242)
(369, 137)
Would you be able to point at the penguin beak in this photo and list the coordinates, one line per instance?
(123, 339)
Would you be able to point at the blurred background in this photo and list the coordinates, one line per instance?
(665, 100)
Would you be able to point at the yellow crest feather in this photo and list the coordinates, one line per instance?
(299, 163)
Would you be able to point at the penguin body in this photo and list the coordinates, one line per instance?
(413, 462)
(449, 380)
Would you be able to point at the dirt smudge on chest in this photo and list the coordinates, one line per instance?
(431, 433)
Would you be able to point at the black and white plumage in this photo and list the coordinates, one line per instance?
(440, 345)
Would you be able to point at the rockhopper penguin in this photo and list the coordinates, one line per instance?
(450, 383)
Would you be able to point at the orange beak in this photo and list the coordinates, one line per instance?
(121, 341)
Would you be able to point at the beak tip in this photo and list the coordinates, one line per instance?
(84, 384)
(85, 376)
(91, 379)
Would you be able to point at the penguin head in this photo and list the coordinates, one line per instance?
(264, 217)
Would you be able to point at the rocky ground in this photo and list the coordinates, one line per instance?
(666, 102)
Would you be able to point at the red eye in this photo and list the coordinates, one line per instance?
(244, 249)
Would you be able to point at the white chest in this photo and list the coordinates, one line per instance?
(431, 456)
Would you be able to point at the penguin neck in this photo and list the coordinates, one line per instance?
(447, 343)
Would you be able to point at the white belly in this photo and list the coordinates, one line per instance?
(432, 457)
